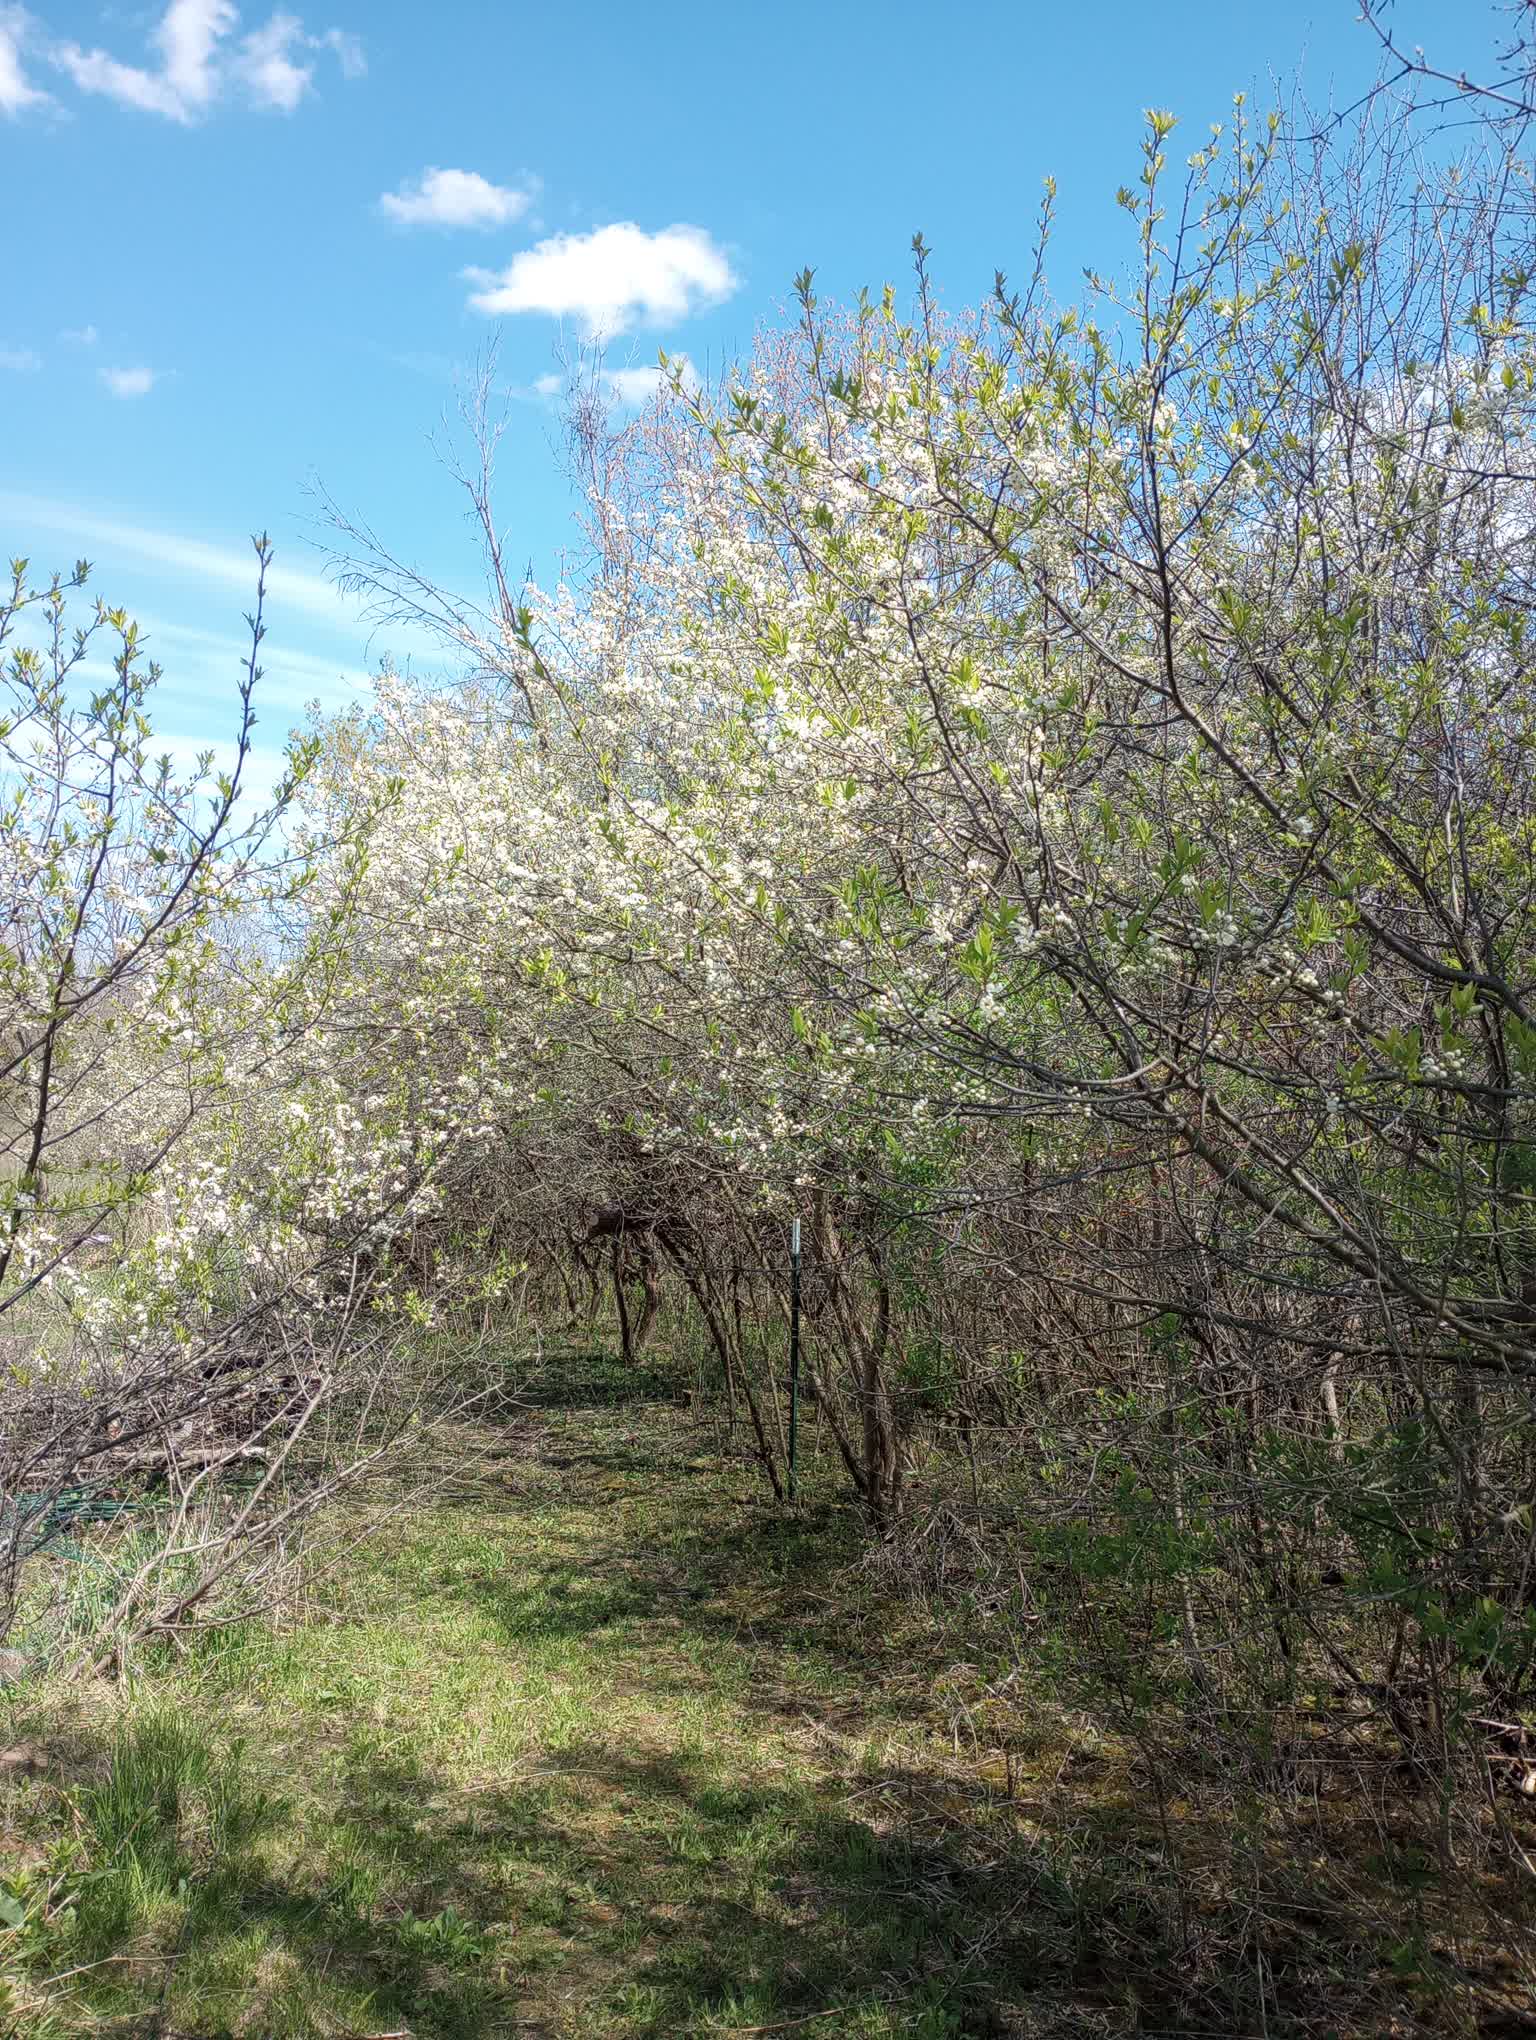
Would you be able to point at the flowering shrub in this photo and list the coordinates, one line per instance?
(189, 1187)
(1044, 795)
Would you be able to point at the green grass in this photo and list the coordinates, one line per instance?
(601, 1744)
(579, 1753)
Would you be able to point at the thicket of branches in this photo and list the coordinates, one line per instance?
(1045, 796)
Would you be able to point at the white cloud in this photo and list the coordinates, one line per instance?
(95, 71)
(454, 198)
(547, 385)
(610, 278)
(634, 387)
(271, 76)
(188, 38)
(20, 360)
(80, 336)
(186, 83)
(17, 92)
(129, 382)
(197, 64)
(267, 69)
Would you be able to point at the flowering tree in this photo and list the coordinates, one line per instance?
(1044, 795)
(179, 1238)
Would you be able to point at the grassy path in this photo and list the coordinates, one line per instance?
(601, 1746)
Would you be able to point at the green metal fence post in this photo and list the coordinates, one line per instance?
(794, 1349)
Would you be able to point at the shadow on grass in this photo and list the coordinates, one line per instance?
(646, 1892)
(612, 1889)
(702, 1902)
(589, 1377)
(736, 1594)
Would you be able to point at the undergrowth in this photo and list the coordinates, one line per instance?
(602, 1744)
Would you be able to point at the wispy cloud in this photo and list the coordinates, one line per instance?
(195, 705)
(84, 530)
(443, 368)
(198, 63)
(80, 336)
(346, 48)
(129, 382)
(440, 368)
(17, 92)
(290, 678)
(264, 770)
(271, 67)
(610, 279)
(20, 360)
(455, 198)
(186, 82)
(267, 68)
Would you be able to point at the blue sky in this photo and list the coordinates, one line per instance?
(234, 269)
